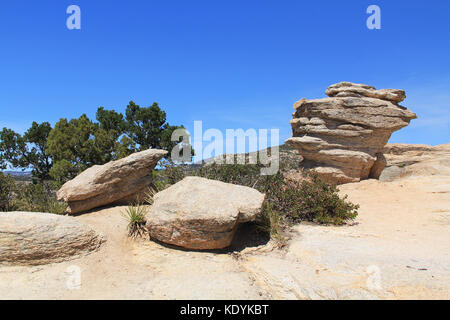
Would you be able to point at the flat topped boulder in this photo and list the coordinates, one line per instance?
(198, 213)
(30, 238)
(115, 182)
(342, 137)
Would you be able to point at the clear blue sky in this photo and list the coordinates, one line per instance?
(232, 64)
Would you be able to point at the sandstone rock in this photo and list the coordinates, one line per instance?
(391, 173)
(197, 213)
(342, 136)
(118, 181)
(406, 160)
(348, 89)
(403, 154)
(378, 166)
(28, 238)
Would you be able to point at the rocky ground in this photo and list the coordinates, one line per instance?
(398, 248)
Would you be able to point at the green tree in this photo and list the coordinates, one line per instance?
(7, 188)
(111, 121)
(27, 151)
(38, 157)
(73, 146)
(12, 147)
(78, 144)
(148, 127)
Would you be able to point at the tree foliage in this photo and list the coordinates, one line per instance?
(27, 151)
(148, 127)
(77, 144)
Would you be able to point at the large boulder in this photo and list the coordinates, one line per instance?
(118, 181)
(342, 137)
(29, 238)
(197, 213)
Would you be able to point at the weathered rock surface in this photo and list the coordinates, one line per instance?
(29, 238)
(341, 137)
(198, 213)
(348, 89)
(406, 160)
(115, 182)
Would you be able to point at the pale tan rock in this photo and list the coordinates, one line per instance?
(118, 181)
(378, 166)
(348, 89)
(342, 137)
(406, 160)
(29, 238)
(198, 213)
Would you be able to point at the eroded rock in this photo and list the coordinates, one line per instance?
(29, 238)
(341, 137)
(406, 160)
(198, 213)
(118, 181)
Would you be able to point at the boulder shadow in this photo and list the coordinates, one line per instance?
(248, 235)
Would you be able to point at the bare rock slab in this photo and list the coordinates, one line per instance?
(30, 238)
(114, 182)
(342, 137)
(198, 213)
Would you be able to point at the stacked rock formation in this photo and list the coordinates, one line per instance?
(342, 137)
(198, 213)
(120, 181)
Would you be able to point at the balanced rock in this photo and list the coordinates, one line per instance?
(29, 238)
(342, 137)
(198, 213)
(118, 181)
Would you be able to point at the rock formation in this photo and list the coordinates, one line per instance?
(118, 181)
(405, 160)
(29, 238)
(197, 213)
(342, 137)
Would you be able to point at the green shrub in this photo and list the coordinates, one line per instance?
(167, 175)
(309, 200)
(273, 223)
(135, 215)
(7, 189)
(39, 197)
(246, 175)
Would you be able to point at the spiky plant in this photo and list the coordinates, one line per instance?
(135, 215)
(149, 195)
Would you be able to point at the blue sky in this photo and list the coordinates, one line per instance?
(231, 64)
